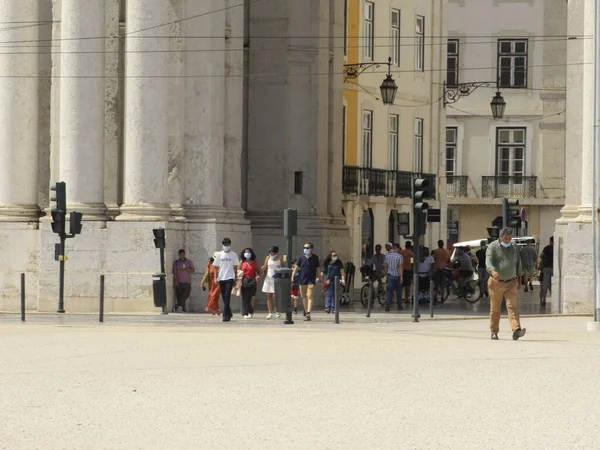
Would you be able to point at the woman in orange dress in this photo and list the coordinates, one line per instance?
(214, 290)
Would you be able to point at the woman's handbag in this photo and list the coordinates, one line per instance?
(249, 282)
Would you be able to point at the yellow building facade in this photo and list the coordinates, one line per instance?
(385, 146)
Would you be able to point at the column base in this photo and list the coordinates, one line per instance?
(574, 267)
(19, 213)
(144, 212)
(90, 211)
(593, 327)
(214, 214)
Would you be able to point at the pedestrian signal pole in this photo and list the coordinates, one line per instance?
(421, 190)
(58, 211)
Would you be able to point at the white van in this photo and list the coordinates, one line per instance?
(520, 241)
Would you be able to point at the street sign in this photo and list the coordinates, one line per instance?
(434, 215)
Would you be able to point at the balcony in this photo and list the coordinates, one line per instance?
(381, 182)
(509, 187)
(457, 186)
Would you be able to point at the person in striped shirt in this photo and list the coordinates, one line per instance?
(392, 267)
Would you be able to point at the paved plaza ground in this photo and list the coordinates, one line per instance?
(192, 382)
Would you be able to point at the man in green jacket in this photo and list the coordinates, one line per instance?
(503, 263)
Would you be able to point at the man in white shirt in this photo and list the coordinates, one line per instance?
(227, 263)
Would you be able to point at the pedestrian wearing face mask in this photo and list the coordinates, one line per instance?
(332, 267)
(310, 272)
(503, 263)
(272, 263)
(227, 263)
(250, 268)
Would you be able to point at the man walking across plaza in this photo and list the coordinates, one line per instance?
(503, 263)
(227, 263)
(310, 272)
(393, 268)
(183, 269)
(528, 260)
(547, 270)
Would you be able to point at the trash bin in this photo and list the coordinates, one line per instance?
(283, 289)
(159, 290)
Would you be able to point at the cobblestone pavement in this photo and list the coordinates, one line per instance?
(190, 381)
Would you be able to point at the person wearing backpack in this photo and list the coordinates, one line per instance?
(546, 267)
(332, 268)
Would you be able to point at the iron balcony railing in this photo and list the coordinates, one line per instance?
(381, 182)
(457, 186)
(509, 187)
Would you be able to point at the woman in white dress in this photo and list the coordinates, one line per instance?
(272, 262)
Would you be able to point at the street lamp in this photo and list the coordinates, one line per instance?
(452, 93)
(498, 106)
(388, 88)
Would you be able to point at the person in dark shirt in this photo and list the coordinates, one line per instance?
(546, 267)
(481, 269)
(332, 268)
(310, 273)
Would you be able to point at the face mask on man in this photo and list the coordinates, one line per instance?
(226, 248)
(307, 251)
(505, 244)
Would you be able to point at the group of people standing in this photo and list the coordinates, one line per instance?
(228, 274)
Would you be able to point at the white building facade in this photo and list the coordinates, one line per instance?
(386, 146)
(521, 46)
(204, 118)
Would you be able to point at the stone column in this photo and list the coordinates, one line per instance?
(82, 106)
(587, 111)
(146, 111)
(19, 98)
(573, 251)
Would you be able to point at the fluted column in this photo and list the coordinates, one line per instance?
(82, 105)
(146, 111)
(19, 99)
(587, 108)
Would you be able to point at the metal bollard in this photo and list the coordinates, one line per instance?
(101, 313)
(431, 298)
(416, 315)
(336, 300)
(370, 299)
(22, 297)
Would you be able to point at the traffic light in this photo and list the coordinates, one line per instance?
(75, 223)
(421, 192)
(493, 233)
(511, 217)
(403, 223)
(59, 196)
(58, 210)
(58, 222)
(159, 237)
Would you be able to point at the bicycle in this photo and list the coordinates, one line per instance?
(378, 292)
(469, 291)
